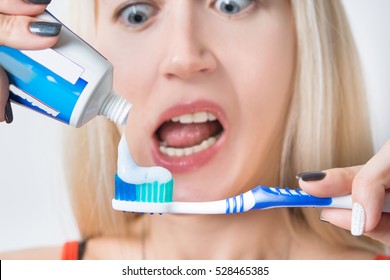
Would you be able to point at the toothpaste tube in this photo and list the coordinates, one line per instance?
(70, 82)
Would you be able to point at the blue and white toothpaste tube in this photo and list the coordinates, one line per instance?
(70, 82)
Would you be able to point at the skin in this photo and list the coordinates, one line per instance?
(188, 65)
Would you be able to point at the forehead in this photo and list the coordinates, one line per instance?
(114, 2)
(109, 2)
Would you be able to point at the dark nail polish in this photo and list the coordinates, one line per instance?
(39, 2)
(9, 116)
(311, 176)
(43, 28)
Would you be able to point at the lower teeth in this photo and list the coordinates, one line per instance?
(179, 152)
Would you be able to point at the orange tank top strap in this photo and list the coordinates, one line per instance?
(70, 251)
(382, 257)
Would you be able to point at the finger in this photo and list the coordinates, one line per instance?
(337, 217)
(370, 185)
(22, 32)
(23, 7)
(335, 182)
(342, 219)
(9, 116)
(4, 92)
(381, 231)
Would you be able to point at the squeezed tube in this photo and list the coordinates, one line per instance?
(70, 82)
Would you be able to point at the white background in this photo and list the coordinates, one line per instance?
(34, 208)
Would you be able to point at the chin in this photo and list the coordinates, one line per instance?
(212, 182)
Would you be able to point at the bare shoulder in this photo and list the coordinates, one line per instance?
(355, 254)
(46, 253)
(112, 248)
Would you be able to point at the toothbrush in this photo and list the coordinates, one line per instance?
(139, 183)
(136, 198)
(150, 190)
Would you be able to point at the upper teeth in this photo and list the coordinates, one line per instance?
(198, 117)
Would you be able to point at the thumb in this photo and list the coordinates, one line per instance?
(4, 92)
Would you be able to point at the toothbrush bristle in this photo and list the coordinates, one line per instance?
(154, 192)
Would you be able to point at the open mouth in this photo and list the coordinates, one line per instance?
(188, 134)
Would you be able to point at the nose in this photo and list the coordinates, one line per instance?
(186, 55)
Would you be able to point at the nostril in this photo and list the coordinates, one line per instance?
(187, 63)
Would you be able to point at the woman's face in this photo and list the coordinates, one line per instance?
(210, 83)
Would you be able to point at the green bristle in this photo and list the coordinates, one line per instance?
(169, 191)
(155, 192)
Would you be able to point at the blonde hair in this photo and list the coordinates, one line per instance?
(327, 126)
(328, 122)
(90, 152)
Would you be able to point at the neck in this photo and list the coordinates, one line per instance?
(251, 235)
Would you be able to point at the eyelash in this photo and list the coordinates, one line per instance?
(119, 13)
(132, 3)
(244, 12)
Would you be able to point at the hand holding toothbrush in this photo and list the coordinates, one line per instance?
(367, 183)
(19, 29)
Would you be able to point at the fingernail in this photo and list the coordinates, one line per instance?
(311, 176)
(9, 116)
(39, 2)
(43, 28)
(358, 219)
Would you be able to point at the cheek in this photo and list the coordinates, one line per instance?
(267, 84)
(265, 93)
(132, 73)
(134, 67)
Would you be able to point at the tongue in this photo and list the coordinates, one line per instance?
(178, 135)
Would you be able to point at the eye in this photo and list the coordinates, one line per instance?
(135, 15)
(232, 7)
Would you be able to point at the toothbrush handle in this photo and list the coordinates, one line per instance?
(283, 197)
(263, 197)
(276, 197)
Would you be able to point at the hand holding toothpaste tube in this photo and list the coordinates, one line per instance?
(20, 29)
(68, 81)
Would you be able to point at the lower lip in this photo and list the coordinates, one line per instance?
(186, 163)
